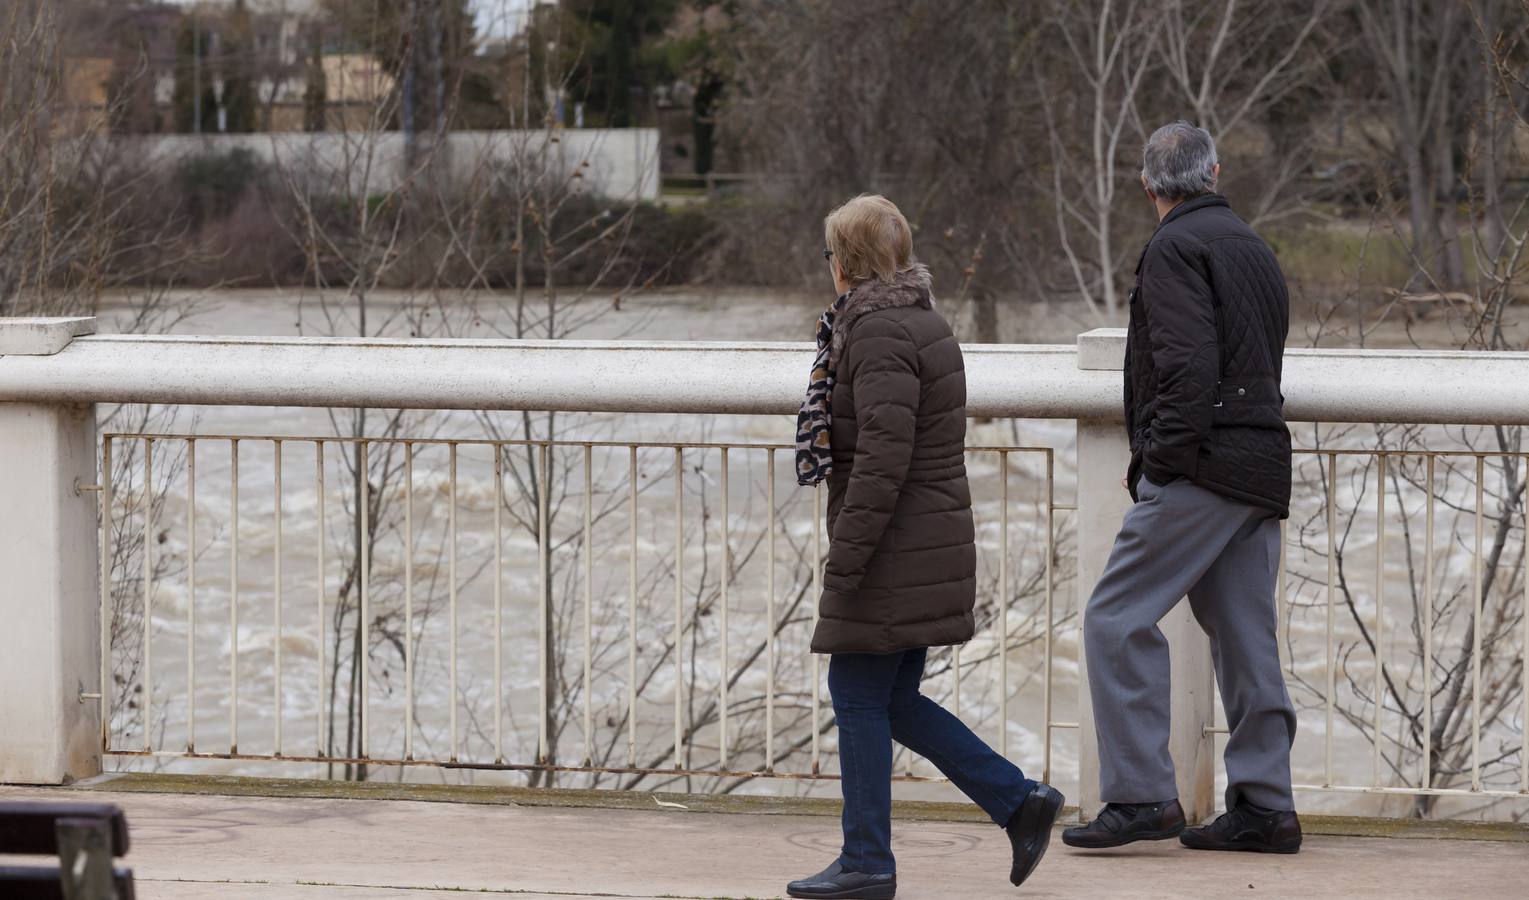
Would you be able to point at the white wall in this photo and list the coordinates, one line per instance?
(617, 163)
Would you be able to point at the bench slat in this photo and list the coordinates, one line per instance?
(42, 883)
(32, 827)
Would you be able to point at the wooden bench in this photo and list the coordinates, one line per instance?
(86, 838)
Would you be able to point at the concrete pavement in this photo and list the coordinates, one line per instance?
(283, 848)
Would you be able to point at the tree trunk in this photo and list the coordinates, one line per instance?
(1419, 201)
(985, 314)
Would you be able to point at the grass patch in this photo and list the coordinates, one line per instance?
(1341, 254)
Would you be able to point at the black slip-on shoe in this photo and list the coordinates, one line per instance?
(1029, 830)
(1119, 824)
(835, 882)
(1250, 828)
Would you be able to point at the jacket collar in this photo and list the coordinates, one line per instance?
(1178, 212)
(1192, 204)
(910, 287)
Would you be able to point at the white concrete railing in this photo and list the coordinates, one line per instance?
(50, 372)
(1020, 381)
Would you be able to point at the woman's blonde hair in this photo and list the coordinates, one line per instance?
(870, 238)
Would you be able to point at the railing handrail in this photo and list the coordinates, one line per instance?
(707, 377)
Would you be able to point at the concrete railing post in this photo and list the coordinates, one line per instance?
(1103, 455)
(50, 730)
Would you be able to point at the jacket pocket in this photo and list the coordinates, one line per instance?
(1249, 402)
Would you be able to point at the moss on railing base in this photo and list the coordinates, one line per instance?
(914, 810)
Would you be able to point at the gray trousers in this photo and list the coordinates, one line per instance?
(1182, 539)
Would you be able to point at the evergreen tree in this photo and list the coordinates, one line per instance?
(697, 49)
(606, 48)
(238, 67)
(316, 86)
(188, 69)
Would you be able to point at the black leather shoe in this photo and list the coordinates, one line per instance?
(1029, 830)
(1248, 827)
(835, 882)
(1125, 823)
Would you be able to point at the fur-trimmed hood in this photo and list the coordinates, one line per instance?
(910, 287)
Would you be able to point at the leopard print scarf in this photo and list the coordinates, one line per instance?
(814, 457)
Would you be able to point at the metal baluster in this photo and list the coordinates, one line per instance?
(1380, 605)
(769, 760)
(104, 710)
(631, 611)
(408, 600)
(817, 592)
(544, 600)
(363, 509)
(190, 595)
(1426, 609)
(1523, 752)
(727, 572)
(1332, 580)
(148, 593)
(498, 603)
(955, 651)
(1050, 636)
(1476, 631)
(1003, 616)
(233, 598)
(589, 603)
(318, 456)
(276, 598)
(451, 557)
(679, 603)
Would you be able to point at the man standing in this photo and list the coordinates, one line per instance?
(1210, 474)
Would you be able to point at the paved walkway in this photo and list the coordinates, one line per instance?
(267, 848)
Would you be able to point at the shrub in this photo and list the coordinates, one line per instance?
(212, 185)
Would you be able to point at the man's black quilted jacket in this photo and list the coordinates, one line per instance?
(1209, 315)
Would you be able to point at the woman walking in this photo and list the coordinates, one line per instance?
(884, 423)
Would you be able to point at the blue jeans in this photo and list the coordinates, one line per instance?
(876, 700)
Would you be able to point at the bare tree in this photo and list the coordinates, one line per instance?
(414, 244)
(354, 221)
(1238, 66)
(66, 233)
(1449, 695)
(1108, 48)
(1419, 50)
(70, 232)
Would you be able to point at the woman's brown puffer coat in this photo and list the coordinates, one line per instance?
(902, 558)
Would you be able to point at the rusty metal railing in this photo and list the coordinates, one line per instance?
(1341, 618)
(1405, 678)
(578, 600)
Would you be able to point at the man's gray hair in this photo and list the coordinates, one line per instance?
(1179, 161)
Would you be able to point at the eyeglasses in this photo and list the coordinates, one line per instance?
(827, 253)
